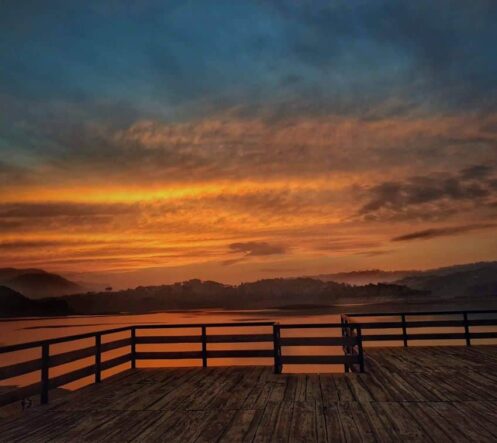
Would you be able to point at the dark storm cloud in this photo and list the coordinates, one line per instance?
(443, 192)
(443, 232)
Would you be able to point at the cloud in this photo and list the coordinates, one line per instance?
(443, 232)
(62, 209)
(436, 195)
(253, 249)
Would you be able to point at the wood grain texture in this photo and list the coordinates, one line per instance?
(407, 394)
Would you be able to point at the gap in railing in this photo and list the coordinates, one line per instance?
(311, 351)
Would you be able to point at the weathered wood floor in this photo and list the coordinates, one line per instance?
(415, 394)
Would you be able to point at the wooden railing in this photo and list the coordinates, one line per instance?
(203, 337)
(349, 341)
(464, 323)
(48, 361)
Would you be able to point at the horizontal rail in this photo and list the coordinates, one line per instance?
(18, 369)
(69, 377)
(68, 357)
(432, 336)
(437, 333)
(146, 340)
(242, 353)
(53, 341)
(244, 338)
(23, 368)
(207, 325)
(427, 324)
(310, 325)
(319, 359)
(116, 361)
(318, 341)
(157, 355)
(420, 313)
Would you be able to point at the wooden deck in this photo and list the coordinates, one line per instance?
(414, 394)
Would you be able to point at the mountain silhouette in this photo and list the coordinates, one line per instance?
(36, 283)
(12, 303)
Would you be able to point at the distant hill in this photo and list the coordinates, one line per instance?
(263, 294)
(471, 280)
(372, 276)
(474, 284)
(36, 283)
(466, 280)
(12, 303)
(10, 273)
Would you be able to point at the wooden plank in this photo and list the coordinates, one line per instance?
(153, 339)
(216, 426)
(242, 427)
(116, 344)
(19, 369)
(38, 343)
(180, 391)
(378, 425)
(258, 396)
(357, 388)
(329, 391)
(242, 338)
(180, 426)
(64, 379)
(267, 424)
(402, 424)
(349, 427)
(310, 326)
(316, 359)
(344, 392)
(68, 357)
(241, 353)
(303, 424)
(313, 389)
(281, 431)
(462, 423)
(429, 423)
(116, 361)
(334, 426)
(183, 355)
(318, 341)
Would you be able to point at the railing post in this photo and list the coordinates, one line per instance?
(466, 329)
(359, 347)
(277, 349)
(45, 381)
(133, 347)
(404, 329)
(98, 357)
(204, 346)
(345, 336)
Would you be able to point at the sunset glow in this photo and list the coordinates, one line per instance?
(256, 140)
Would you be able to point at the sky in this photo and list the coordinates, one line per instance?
(147, 142)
